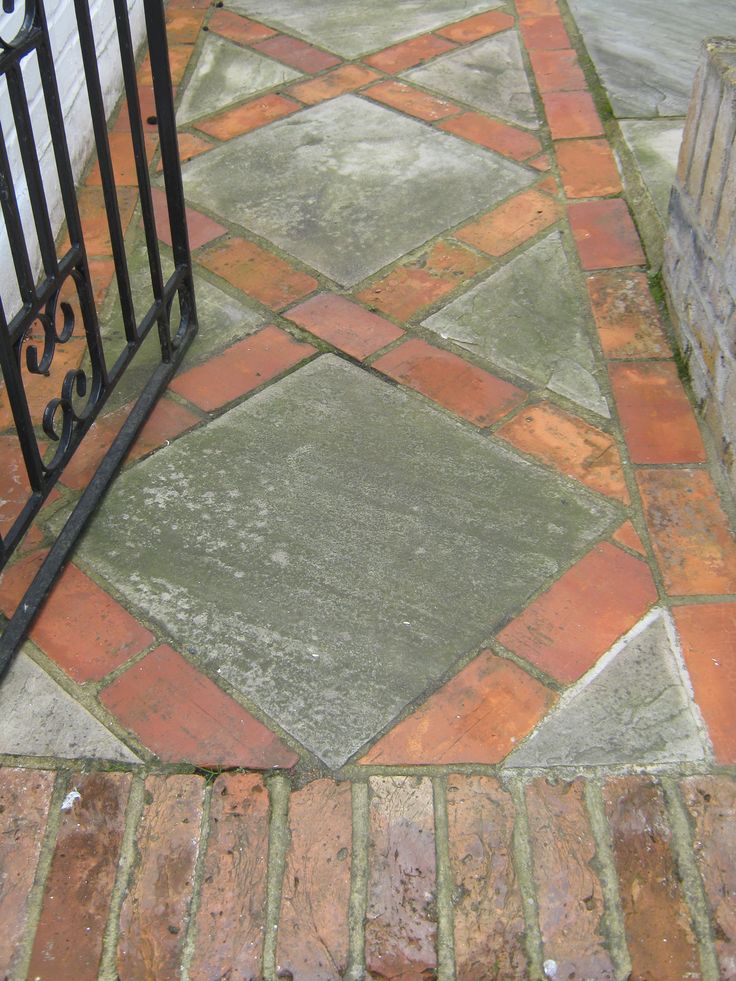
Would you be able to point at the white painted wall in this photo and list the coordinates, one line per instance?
(70, 77)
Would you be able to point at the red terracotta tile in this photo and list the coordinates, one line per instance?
(571, 114)
(708, 637)
(628, 322)
(512, 223)
(542, 163)
(565, 630)
(536, 8)
(472, 393)
(241, 368)
(297, 54)
(628, 535)
(508, 140)
(259, 273)
(476, 717)
(183, 25)
(474, 28)
(94, 218)
(548, 185)
(587, 168)
(605, 234)
(399, 57)
(14, 487)
(569, 444)
(201, 228)
(694, 545)
(407, 99)
(250, 116)
(238, 28)
(123, 161)
(147, 101)
(101, 273)
(179, 58)
(190, 146)
(183, 717)
(40, 389)
(557, 70)
(344, 324)
(546, 32)
(167, 421)
(658, 422)
(347, 78)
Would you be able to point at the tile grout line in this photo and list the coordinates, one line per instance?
(359, 873)
(188, 947)
(278, 842)
(444, 884)
(523, 866)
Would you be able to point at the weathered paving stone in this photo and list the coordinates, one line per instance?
(401, 928)
(635, 709)
(334, 185)
(354, 29)
(655, 144)
(331, 581)
(539, 335)
(489, 923)
(313, 926)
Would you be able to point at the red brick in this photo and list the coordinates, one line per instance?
(571, 114)
(541, 163)
(512, 223)
(123, 160)
(250, 116)
(692, 541)
(94, 218)
(179, 58)
(184, 25)
(628, 322)
(25, 796)
(344, 324)
(155, 913)
(241, 368)
(712, 805)
(605, 235)
(297, 54)
(238, 28)
(232, 912)
(347, 78)
(399, 57)
(490, 133)
(569, 444)
(407, 99)
(201, 228)
(474, 28)
(146, 98)
(477, 717)
(708, 636)
(489, 923)
(569, 894)
(536, 8)
(628, 535)
(190, 146)
(546, 33)
(68, 941)
(259, 273)
(470, 392)
(583, 614)
(587, 168)
(315, 894)
(400, 929)
(658, 422)
(14, 487)
(557, 70)
(658, 930)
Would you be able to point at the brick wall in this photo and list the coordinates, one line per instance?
(700, 248)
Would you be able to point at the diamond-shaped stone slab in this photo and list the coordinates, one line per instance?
(488, 75)
(333, 545)
(349, 186)
(352, 29)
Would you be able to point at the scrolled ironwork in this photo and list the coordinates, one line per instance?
(29, 21)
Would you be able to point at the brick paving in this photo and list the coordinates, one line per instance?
(233, 850)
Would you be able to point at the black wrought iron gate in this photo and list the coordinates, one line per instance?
(55, 303)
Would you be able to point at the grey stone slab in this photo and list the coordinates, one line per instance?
(226, 74)
(531, 318)
(332, 546)
(348, 186)
(655, 144)
(352, 29)
(635, 710)
(646, 53)
(38, 718)
(489, 76)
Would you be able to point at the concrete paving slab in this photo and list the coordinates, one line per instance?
(489, 76)
(352, 29)
(333, 545)
(539, 334)
(655, 144)
(635, 709)
(349, 186)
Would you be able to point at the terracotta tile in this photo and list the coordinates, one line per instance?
(708, 637)
(557, 70)
(407, 99)
(94, 218)
(201, 228)
(179, 58)
(628, 322)
(474, 28)
(147, 106)
(548, 185)
(259, 273)
(507, 140)
(692, 540)
(238, 28)
(536, 8)
(190, 146)
(476, 717)
(167, 421)
(546, 32)
(542, 163)
(297, 54)
(658, 422)
(250, 116)
(101, 273)
(569, 444)
(241, 368)
(565, 630)
(470, 392)
(123, 161)
(628, 535)
(344, 324)
(183, 717)
(14, 486)
(605, 234)
(512, 223)
(184, 25)
(587, 168)
(40, 389)
(399, 57)
(189, 4)
(406, 290)
(347, 78)
(571, 114)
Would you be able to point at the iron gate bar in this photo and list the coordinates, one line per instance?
(41, 301)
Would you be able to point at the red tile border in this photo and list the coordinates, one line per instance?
(605, 235)
(515, 143)
(512, 223)
(399, 57)
(347, 326)
(297, 54)
(407, 99)
(588, 168)
(571, 114)
(257, 272)
(628, 322)
(475, 28)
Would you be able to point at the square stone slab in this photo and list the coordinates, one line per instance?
(351, 29)
(655, 144)
(333, 545)
(348, 186)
